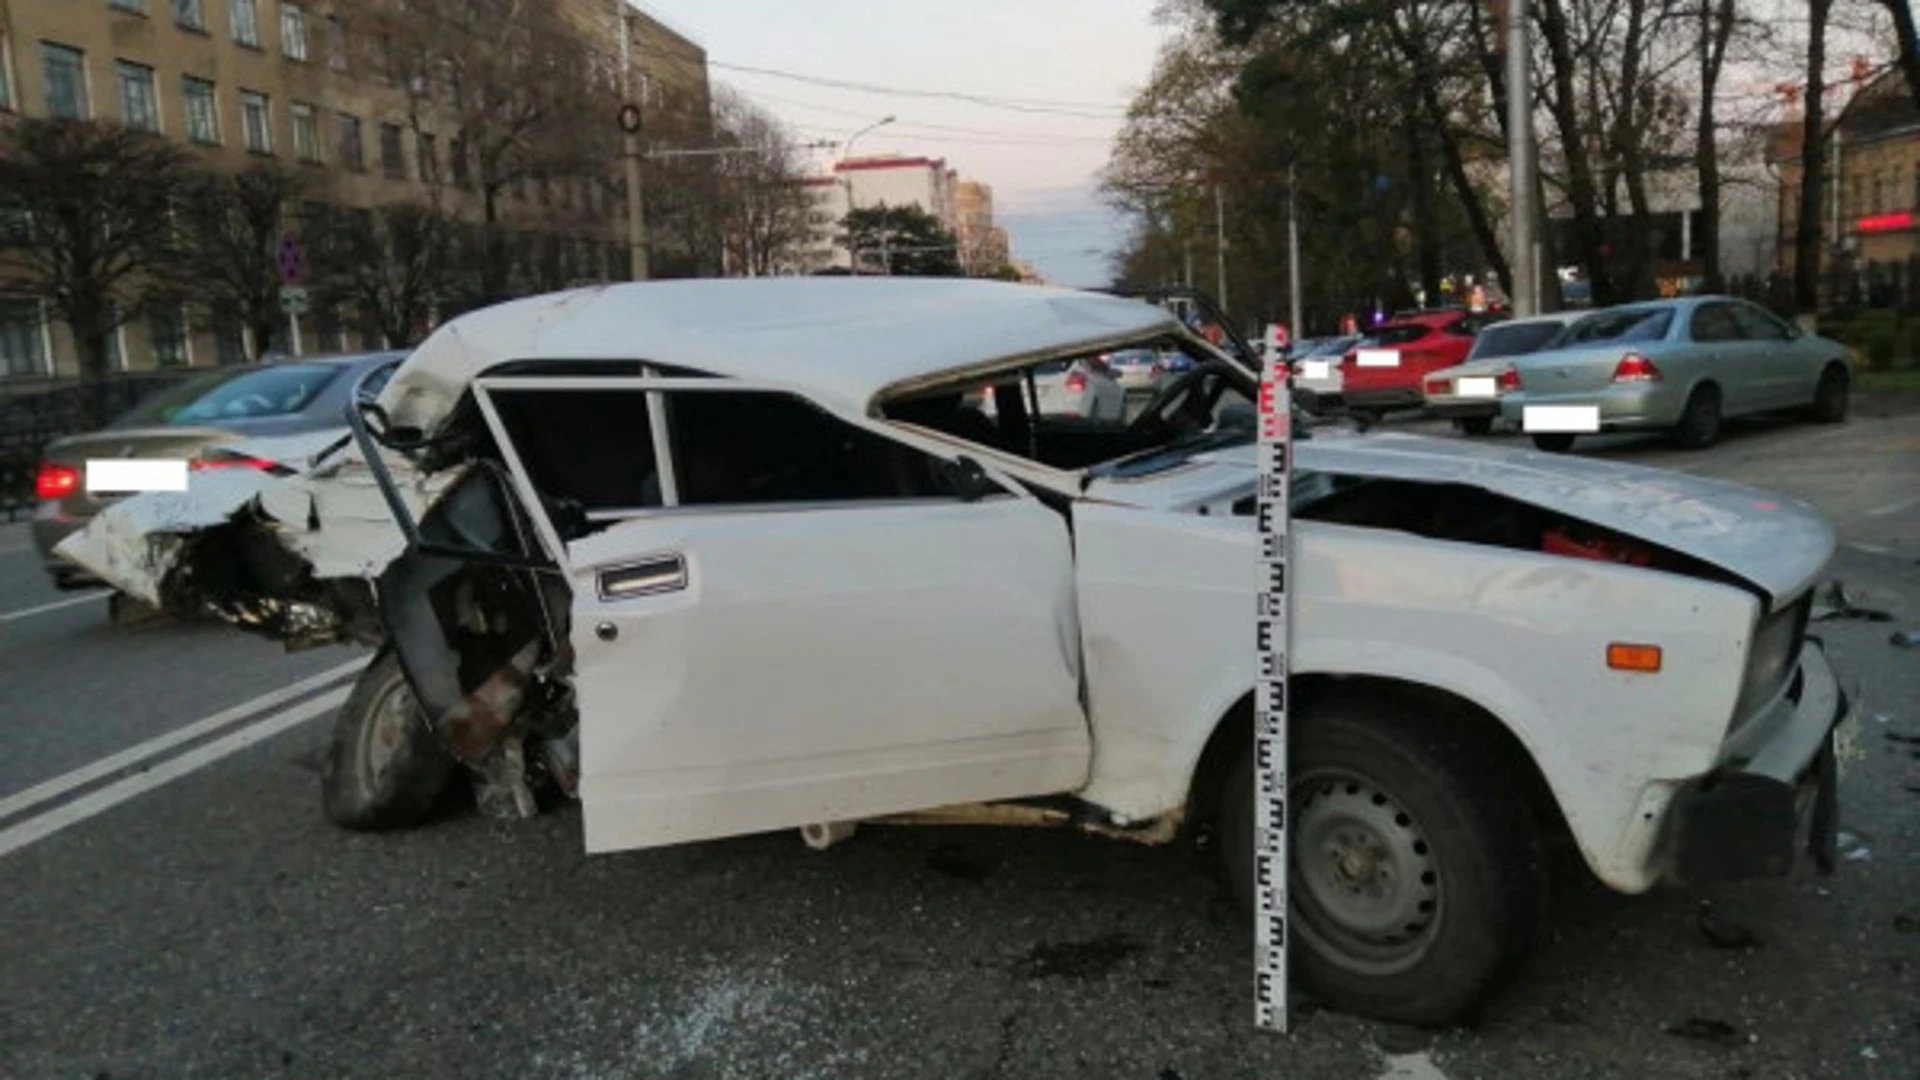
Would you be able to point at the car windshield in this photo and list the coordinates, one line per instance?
(246, 394)
(1514, 340)
(1627, 324)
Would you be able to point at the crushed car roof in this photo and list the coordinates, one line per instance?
(844, 339)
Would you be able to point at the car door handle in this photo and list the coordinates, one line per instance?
(646, 577)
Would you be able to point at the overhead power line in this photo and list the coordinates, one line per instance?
(865, 114)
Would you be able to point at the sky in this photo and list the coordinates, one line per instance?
(1071, 64)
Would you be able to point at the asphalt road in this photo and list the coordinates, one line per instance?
(216, 926)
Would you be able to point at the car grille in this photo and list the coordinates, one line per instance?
(1773, 656)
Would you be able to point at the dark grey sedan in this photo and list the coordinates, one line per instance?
(1675, 365)
(189, 422)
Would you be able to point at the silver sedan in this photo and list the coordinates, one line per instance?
(1675, 365)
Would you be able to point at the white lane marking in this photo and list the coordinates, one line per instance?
(98, 802)
(1415, 1066)
(113, 763)
(1871, 549)
(136, 474)
(9, 616)
(1894, 507)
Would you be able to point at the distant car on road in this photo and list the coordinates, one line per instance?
(1136, 369)
(1316, 369)
(1470, 393)
(189, 422)
(1085, 388)
(1682, 366)
(1384, 370)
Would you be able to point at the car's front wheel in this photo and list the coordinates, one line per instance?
(384, 770)
(1416, 879)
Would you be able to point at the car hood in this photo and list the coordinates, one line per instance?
(1778, 545)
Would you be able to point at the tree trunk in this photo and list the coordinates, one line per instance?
(493, 260)
(1426, 239)
(1716, 27)
(1806, 237)
(1588, 237)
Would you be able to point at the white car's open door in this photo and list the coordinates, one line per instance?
(752, 667)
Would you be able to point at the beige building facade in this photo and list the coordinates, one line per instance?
(243, 81)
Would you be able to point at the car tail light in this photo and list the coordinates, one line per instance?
(1436, 386)
(232, 461)
(1635, 368)
(1508, 379)
(1581, 545)
(1076, 382)
(55, 481)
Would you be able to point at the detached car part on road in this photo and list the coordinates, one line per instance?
(731, 556)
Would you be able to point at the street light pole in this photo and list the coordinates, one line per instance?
(1295, 329)
(846, 154)
(1220, 242)
(1520, 163)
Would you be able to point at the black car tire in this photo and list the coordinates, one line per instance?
(1474, 425)
(384, 770)
(1699, 425)
(1555, 442)
(1830, 396)
(1427, 774)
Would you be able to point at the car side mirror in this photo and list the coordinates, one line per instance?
(965, 479)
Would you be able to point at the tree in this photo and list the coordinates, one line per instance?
(904, 241)
(1806, 237)
(1711, 37)
(764, 208)
(512, 90)
(1909, 43)
(96, 233)
(394, 265)
(235, 222)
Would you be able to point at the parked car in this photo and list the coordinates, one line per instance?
(1469, 394)
(1682, 366)
(1137, 370)
(1316, 371)
(828, 594)
(1086, 388)
(190, 422)
(1385, 369)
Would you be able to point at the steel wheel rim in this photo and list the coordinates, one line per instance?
(1367, 888)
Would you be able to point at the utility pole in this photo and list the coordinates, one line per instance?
(1294, 329)
(630, 122)
(1186, 255)
(1220, 242)
(1520, 163)
(846, 154)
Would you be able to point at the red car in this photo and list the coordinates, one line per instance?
(1384, 371)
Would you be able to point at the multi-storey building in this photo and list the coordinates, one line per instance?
(983, 245)
(1870, 213)
(293, 81)
(963, 207)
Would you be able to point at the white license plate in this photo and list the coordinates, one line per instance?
(1567, 419)
(1475, 386)
(1377, 358)
(1315, 369)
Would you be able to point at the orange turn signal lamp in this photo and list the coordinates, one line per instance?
(1622, 656)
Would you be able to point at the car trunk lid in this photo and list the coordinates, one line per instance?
(152, 443)
(1583, 369)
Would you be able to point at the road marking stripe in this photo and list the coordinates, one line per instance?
(8, 616)
(98, 802)
(1894, 507)
(113, 763)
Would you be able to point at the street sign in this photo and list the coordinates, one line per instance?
(1272, 638)
(294, 299)
(293, 261)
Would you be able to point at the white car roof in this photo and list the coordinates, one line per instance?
(843, 340)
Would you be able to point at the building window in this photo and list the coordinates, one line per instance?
(306, 133)
(326, 331)
(347, 139)
(427, 149)
(256, 118)
(457, 162)
(245, 17)
(451, 78)
(544, 191)
(167, 337)
(203, 116)
(190, 14)
(392, 160)
(293, 31)
(336, 43)
(66, 73)
(138, 108)
(137, 7)
(23, 338)
(6, 74)
(229, 341)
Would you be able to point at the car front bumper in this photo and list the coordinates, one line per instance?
(1773, 796)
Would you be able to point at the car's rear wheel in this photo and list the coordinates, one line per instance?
(1416, 880)
(385, 770)
(1699, 425)
(1474, 425)
(1555, 442)
(1830, 396)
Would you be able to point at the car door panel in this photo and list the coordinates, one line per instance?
(824, 664)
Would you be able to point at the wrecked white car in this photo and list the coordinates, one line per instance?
(728, 556)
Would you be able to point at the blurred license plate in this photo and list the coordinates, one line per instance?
(1378, 358)
(1474, 386)
(1315, 369)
